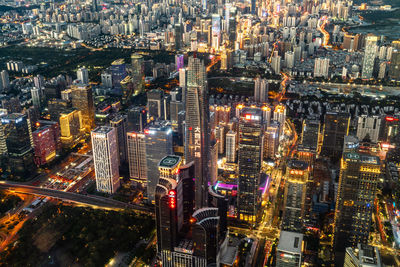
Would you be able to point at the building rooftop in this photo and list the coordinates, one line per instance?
(297, 164)
(363, 158)
(102, 130)
(169, 161)
(290, 242)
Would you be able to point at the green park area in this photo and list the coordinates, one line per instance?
(8, 202)
(52, 61)
(76, 236)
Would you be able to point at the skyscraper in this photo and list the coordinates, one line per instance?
(36, 94)
(250, 160)
(369, 57)
(231, 146)
(137, 73)
(155, 105)
(136, 150)
(17, 137)
(197, 131)
(309, 134)
(106, 160)
(260, 90)
(358, 181)
(137, 119)
(44, 145)
(336, 126)
(120, 123)
(321, 67)
(82, 100)
(362, 255)
(83, 75)
(297, 175)
(271, 140)
(158, 145)
(71, 128)
(289, 250)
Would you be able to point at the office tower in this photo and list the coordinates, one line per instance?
(118, 72)
(44, 145)
(336, 126)
(56, 107)
(220, 137)
(36, 96)
(216, 200)
(250, 160)
(51, 91)
(310, 133)
(205, 233)
(321, 67)
(197, 131)
(82, 100)
(271, 140)
(231, 146)
(120, 123)
(390, 126)
(276, 63)
(158, 145)
(17, 136)
(136, 150)
(368, 128)
(155, 105)
(289, 250)
(178, 36)
(179, 61)
(358, 181)
(166, 218)
(71, 128)
(5, 80)
(137, 72)
(369, 57)
(182, 79)
(185, 192)
(105, 158)
(261, 90)
(175, 107)
(280, 116)
(137, 119)
(169, 166)
(362, 256)
(83, 75)
(297, 175)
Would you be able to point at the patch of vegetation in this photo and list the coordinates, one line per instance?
(76, 236)
(8, 202)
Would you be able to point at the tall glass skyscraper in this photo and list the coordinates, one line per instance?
(197, 132)
(250, 160)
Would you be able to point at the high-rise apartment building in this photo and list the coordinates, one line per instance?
(260, 90)
(271, 140)
(280, 116)
(250, 160)
(230, 147)
(197, 128)
(83, 75)
(82, 100)
(369, 57)
(36, 95)
(358, 181)
(321, 67)
(336, 127)
(106, 159)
